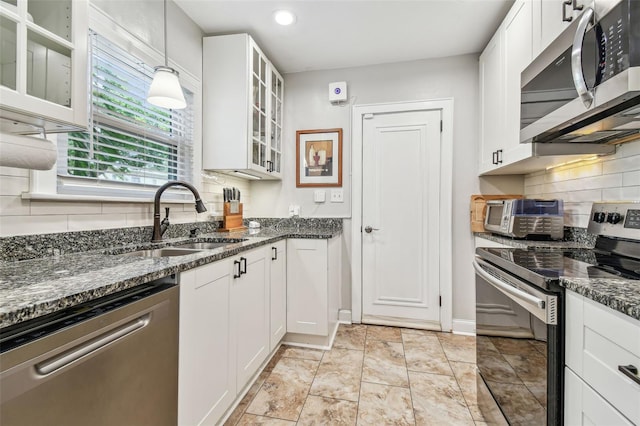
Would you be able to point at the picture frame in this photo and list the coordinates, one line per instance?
(319, 158)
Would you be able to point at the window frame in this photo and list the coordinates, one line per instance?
(44, 184)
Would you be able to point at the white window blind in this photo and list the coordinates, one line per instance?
(130, 143)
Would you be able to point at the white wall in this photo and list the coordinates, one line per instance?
(307, 107)
(611, 178)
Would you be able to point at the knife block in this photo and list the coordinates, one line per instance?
(232, 217)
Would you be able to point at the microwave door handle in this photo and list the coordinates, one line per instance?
(576, 59)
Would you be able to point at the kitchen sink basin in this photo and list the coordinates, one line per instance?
(209, 244)
(202, 246)
(162, 252)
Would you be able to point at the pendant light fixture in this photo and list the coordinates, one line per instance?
(165, 90)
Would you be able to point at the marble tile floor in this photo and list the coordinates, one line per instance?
(373, 375)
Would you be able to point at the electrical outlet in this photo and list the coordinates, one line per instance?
(337, 195)
(294, 210)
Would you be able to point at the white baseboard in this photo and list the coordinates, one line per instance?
(466, 327)
(344, 316)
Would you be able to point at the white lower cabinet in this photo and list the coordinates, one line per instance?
(583, 405)
(225, 330)
(313, 283)
(207, 373)
(278, 293)
(599, 341)
(250, 312)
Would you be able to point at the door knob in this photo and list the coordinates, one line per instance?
(368, 229)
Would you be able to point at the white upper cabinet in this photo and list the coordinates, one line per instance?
(554, 16)
(43, 72)
(504, 58)
(242, 108)
(491, 94)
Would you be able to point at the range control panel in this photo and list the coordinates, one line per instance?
(620, 220)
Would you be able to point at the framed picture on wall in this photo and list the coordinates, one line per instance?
(319, 158)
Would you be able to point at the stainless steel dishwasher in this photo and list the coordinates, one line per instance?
(112, 361)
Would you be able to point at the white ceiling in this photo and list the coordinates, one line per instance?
(347, 33)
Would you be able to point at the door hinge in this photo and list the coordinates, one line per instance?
(439, 300)
(441, 126)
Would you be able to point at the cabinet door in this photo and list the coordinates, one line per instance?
(206, 381)
(583, 406)
(250, 310)
(275, 124)
(307, 296)
(258, 108)
(491, 112)
(552, 23)
(518, 53)
(278, 294)
(43, 62)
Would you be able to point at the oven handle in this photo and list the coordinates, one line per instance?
(519, 294)
(576, 59)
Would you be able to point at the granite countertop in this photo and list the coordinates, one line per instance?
(618, 294)
(36, 287)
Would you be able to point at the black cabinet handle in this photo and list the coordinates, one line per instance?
(494, 157)
(577, 6)
(274, 251)
(237, 275)
(499, 156)
(243, 266)
(631, 371)
(566, 18)
(269, 166)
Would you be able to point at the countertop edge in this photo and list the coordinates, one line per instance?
(618, 294)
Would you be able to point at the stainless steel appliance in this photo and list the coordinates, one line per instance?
(113, 361)
(585, 87)
(526, 218)
(520, 313)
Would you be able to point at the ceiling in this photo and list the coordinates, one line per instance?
(348, 33)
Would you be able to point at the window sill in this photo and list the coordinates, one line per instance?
(34, 196)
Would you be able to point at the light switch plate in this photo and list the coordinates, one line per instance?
(337, 195)
(294, 210)
(319, 195)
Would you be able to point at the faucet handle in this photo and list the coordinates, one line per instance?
(166, 212)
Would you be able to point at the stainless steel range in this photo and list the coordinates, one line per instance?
(520, 312)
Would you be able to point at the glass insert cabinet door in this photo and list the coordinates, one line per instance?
(43, 57)
(259, 108)
(275, 146)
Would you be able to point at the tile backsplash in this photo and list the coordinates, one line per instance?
(611, 178)
(20, 216)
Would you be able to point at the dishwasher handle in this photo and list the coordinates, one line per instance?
(515, 292)
(64, 359)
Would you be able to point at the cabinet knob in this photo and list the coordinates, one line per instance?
(369, 229)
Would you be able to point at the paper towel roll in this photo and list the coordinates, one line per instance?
(26, 152)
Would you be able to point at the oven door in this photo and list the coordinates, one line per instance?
(519, 347)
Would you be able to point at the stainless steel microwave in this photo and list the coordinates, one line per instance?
(585, 87)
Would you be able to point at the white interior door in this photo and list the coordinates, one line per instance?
(400, 218)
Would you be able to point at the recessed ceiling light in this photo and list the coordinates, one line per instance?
(284, 17)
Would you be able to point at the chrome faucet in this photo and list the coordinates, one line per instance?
(158, 229)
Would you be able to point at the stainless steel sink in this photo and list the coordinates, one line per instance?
(210, 243)
(162, 252)
(201, 246)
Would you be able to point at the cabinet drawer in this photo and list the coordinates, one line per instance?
(604, 340)
(583, 406)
